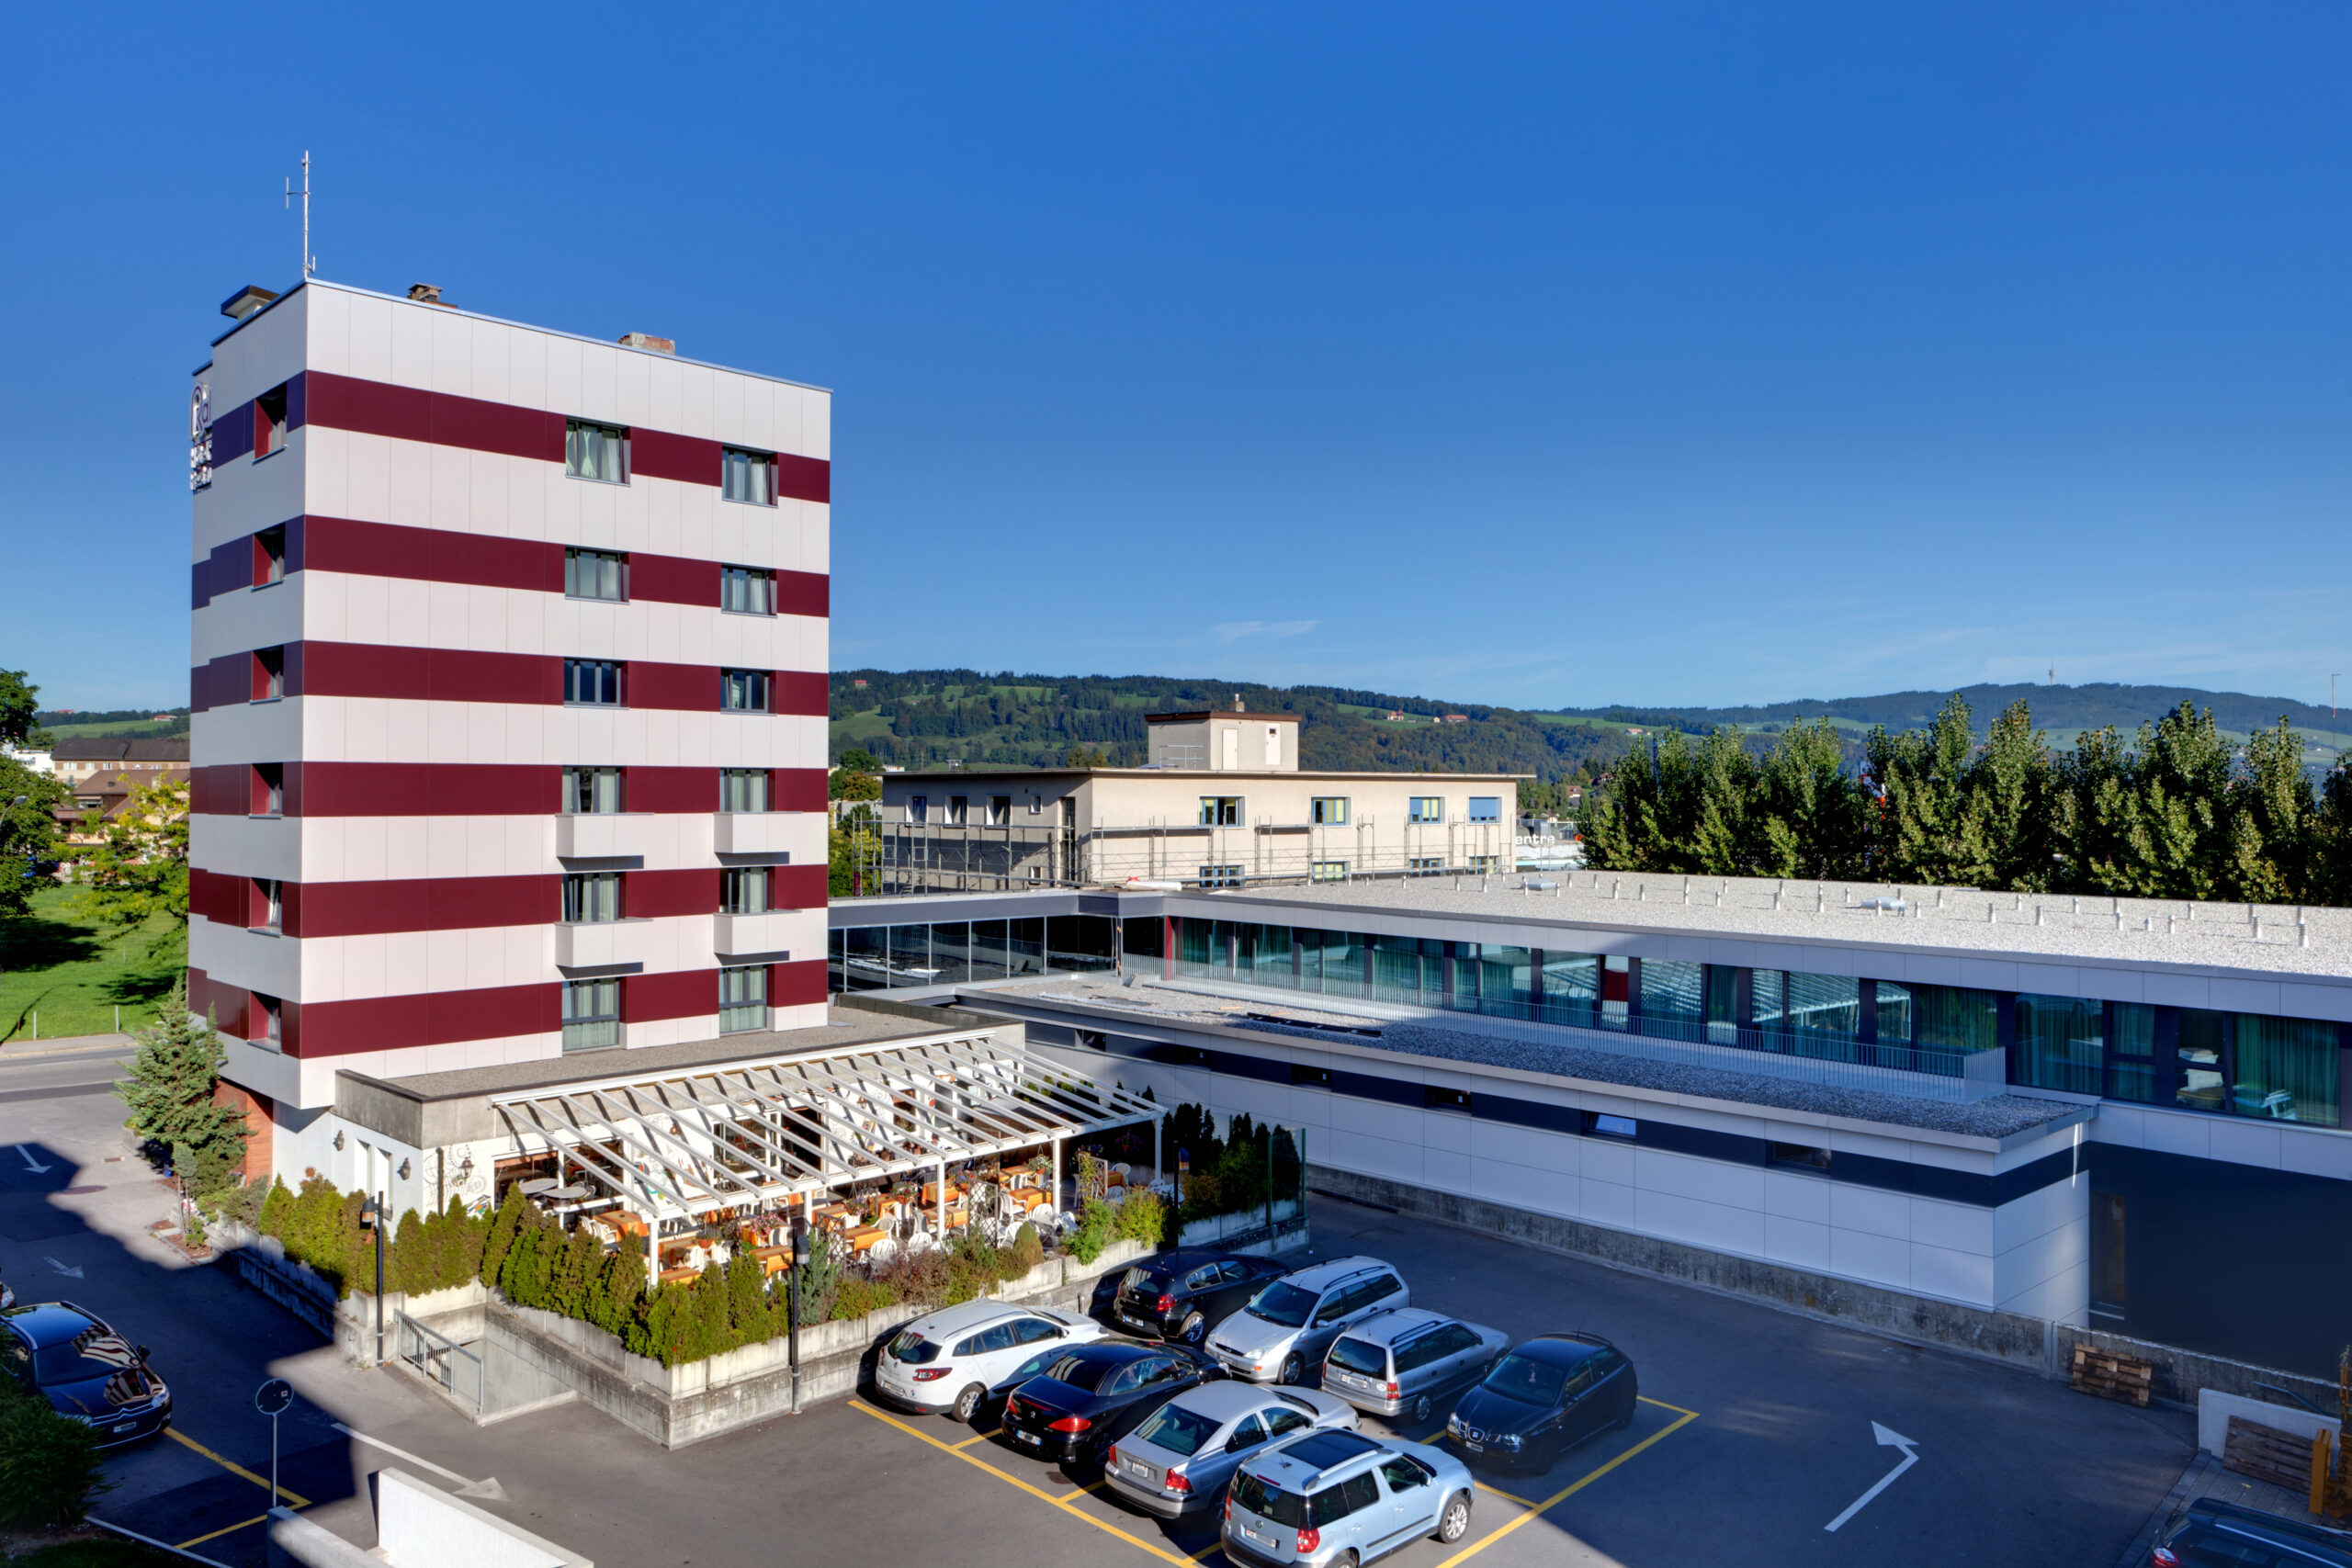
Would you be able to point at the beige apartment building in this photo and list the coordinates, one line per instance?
(1223, 804)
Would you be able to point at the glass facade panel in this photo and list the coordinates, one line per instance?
(1332, 963)
(1895, 1013)
(951, 953)
(1824, 1006)
(1402, 972)
(911, 956)
(2285, 1070)
(1080, 943)
(1674, 994)
(1952, 1017)
(2061, 1043)
(866, 964)
(592, 1014)
(2131, 1051)
(590, 791)
(988, 951)
(1269, 955)
(1025, 947)
(2201, 1034)
(743, 789)
(742, 999)
(595, 452)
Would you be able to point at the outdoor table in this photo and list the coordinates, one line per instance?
(864, 1237)
(679, 1276)
(1027, 1198)
(930, 1193)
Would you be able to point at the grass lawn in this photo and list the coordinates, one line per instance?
(75, 972)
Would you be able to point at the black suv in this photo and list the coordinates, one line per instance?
(1183, 1295)
(2210, 1534)
(86, 1371)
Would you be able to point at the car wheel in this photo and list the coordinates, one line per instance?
(968, 1403)
(1346, 1560)
(1195, 1329)
(1293, 1369)
(1420, 1409)
(1454, 1522)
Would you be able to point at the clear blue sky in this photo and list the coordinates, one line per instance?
(1542, 356)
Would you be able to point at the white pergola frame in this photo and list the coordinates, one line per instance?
(738, 1135)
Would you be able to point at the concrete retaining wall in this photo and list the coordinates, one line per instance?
(2182, 1376)
(421, 1527)
(1218, 1229)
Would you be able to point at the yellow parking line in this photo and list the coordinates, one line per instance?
(1662, 1404)
(232, 1468)
(1507, 1496)
(215, 1535)
(1575, 1486)
(1038, 1491)
(983, 1437)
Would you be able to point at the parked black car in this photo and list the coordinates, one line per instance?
(1091, 1395)
(86, 1371)
(1183, 1295)
(1543, 1399)
(2209, 1534)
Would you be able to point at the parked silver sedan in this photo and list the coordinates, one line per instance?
(1178, 1461)
(1408, 1362)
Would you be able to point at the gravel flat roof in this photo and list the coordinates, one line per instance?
(1995, 1116)
(2270, 939)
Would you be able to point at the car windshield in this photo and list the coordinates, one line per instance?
(1355, 1356)
(913, 1349)
(93, 1353)
(1267, 1502)
(1284, 1303)
(1520, 1378)
(1177, 1429)
(1063, 1366)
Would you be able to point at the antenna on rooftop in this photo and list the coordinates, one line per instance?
(310, 262)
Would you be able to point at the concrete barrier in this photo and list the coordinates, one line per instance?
(420, 1526)
(2182, 1376)
(2214, 1410)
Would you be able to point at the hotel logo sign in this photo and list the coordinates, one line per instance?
(199, 437)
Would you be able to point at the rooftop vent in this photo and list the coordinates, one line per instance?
(245, 301)
(648, 343)
(424, 293)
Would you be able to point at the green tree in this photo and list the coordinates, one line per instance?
(2004, 837)
(170, 1087)
(141, 868)
(1923, 777)
(50, 1466)
(854, 843)
(28, 830)
(856, 777)
(1813, 820)
(18, 702)
(2273, 822)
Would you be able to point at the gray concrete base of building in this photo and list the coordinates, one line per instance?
(2030, 1344)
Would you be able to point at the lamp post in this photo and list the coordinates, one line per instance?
(371, 1217)
(271, 1399)
(791, 1303)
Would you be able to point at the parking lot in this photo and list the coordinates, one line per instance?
(1759, 1428)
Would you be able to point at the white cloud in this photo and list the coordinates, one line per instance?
(1292, 629)
(1226, 631)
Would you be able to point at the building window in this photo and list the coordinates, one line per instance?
(1036, 806)
(1598, 1125)
(1797, 1156)
(2285, 1070)
(1300, 1073)
(748, 477)
(958, 810)
(2060, 1045)
(596, 574)
(1220, 876)
(1435, 1097)
(269, 424)
(270, 1016)
(1424, 865)
(746, 590)
(918, 809)
(591, 897)
(592, 682)
(268, 790)
(1482, 864)
(1486, 808)
(1426, 808)
(743, 690)
(269, 557)
(265, 910)
(592, 792)
(1328, 871)
(742, 999)
(1328, 811)
(1000, 811)
(592, 1014)
(269, 674)
(743, 789)
(1220, 811)
(595, 452)
(743, 890)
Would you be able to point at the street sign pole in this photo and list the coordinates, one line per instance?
(271, 1399)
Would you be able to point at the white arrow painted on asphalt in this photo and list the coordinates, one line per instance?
(1888, 1440)
(35, 1166)
(488, 1488)
(69, 1273)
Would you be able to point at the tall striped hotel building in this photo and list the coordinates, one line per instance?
(509, 688)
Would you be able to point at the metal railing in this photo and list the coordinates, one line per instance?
(440, 1358)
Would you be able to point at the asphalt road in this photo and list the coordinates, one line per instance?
(1759, 1433)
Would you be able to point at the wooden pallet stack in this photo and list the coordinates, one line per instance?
(2268, 1454)
(2125, 1379)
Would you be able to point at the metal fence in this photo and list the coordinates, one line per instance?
(440, 1358)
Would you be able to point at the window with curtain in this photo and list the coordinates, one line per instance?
(1402, 972)
(1722, 1004)
(592, 1014)
(594, 682)
(746, 590)
(1328, 810)
(2285, 1070)
(1823, 1006)
(1425, 809)
(2062, 1043)
(743, 890)
(742, 999)
(2201, 1035)
(743, 789)
(743, 690)
(1895, 1013)
(589, 792)
(591, 897)
(595, 452)
(2131, 1051)
(1674, 996)
(1571, 988)
(747, 477)
(1954, 1017)
(594, 574)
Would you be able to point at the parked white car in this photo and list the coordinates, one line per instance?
(947, 1361)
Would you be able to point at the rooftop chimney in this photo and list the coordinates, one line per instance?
(424, 293)
(1237, 704)
(649, 343)
(245, 301)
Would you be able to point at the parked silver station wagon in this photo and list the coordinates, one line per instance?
(1342, 1497)
(1178, 1461)
(1405, 1361)
(1282, 1334)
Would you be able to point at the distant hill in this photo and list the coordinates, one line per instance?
(120, 724)
(922, 718)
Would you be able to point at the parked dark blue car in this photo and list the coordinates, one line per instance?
(86, 1371)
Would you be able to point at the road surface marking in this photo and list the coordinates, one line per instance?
(1578, 1485)
(232, 1467)
(983, 1437)
(215, 1535)
(1886, 1440)
(486, 1487)
(26, 1150)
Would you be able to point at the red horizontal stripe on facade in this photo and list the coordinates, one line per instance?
(393, 905)
(799, 887)
(475, 789)
(797, 983)
(659, 454)
(462, 675)
(480, 560)
(688, 993)
(435, 1018)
